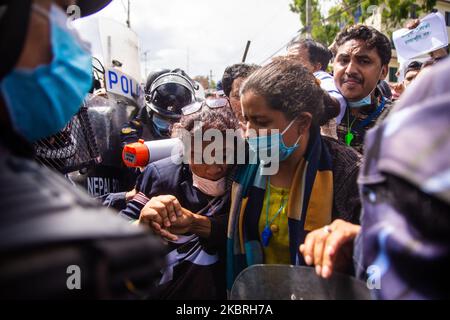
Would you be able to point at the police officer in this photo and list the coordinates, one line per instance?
(61, 239)
(167, 92)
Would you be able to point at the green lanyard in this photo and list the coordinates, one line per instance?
(349, 136)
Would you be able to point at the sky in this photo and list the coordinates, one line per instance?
(200, 36)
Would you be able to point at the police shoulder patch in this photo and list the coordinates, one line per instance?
(136, 123)
(128, 130)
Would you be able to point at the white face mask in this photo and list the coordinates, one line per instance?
(209, 187)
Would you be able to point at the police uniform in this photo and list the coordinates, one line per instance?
(141, 127)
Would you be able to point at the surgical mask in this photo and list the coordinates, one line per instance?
(361, 103)
(161, 125)
(210, 187)
(41, 101)
(262, 144)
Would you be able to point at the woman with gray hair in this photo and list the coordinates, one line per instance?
(186, 203)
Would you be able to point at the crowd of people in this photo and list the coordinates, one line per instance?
(361, 179)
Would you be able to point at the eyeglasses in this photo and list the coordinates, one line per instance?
(210, 103)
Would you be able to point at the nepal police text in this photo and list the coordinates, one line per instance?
(98, 186)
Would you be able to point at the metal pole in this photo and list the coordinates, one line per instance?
(128, 15)
(308, 18)
(246, 51)
(108, 52)
(210, 79)
(145, 55)
(187, 60)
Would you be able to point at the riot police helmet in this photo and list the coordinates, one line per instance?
(169, 93)
(152, 77)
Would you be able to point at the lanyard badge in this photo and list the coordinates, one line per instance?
(267, 232)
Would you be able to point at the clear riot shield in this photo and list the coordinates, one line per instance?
(285, 282)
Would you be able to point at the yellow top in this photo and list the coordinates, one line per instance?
(277, 252)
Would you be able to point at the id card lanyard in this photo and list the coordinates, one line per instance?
(267, 232)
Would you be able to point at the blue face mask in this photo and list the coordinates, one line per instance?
(361, 103)
(161, 125)
(262, 144)
(41, 101)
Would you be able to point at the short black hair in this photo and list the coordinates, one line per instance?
(318, 53)
(371, 36)
(413, 66)
(238, 70)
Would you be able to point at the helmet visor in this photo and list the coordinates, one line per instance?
(170, 93)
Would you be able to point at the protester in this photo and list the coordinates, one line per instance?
(314, 184)
(362, 55)
(188, 205)
(410, 73)
(232, 79)
(315, 57)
